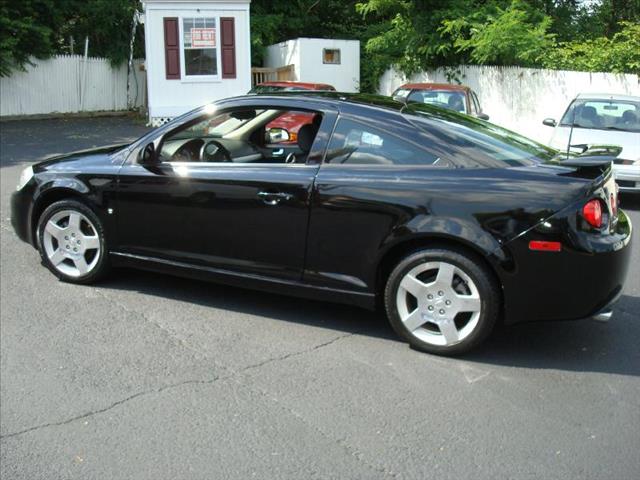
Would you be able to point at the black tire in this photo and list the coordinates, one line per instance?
(101, 267)
(489, 291)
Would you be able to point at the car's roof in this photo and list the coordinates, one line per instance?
(305, 85)
(435, 86)
(607, 96)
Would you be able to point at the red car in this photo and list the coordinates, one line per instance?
(459, 98)
(289, 122)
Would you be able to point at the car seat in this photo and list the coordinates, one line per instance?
(591, 116)
(306, 136)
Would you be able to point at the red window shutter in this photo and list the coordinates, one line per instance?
(228, 47)
(171, 48)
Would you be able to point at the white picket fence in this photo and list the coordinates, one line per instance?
(520, 98)
(69, 84)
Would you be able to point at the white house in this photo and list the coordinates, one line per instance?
(319, 60)
(197, 51)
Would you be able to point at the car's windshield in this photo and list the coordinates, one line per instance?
(471, 142)
(604, 114)
(440, 98)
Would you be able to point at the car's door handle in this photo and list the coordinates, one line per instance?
(278, 152)
(273, 198)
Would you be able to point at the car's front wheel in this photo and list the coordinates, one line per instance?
(442, 301)
(72, 243)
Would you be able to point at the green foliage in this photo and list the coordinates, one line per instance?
(620, 54)
(41, 28)
(511, 36)
(409, 34)
(107, 24)
(422, 34)
(27, 28)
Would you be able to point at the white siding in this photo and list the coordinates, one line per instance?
(55, 86)
(283, 54)
(169, 98)
(306, 55)
(520, 98)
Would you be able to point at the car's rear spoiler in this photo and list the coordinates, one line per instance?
(591, 166)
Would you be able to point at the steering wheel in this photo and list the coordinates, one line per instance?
(212, 151)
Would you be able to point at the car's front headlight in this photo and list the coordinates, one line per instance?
(25, 176)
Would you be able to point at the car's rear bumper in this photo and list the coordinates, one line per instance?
(582, 280)
(627, 177)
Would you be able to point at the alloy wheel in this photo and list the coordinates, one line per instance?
(71, 243)
(438, 303)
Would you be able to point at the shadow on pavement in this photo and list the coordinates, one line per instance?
(253, 302)
(580, 346)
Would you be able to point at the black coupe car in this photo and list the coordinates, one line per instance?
(449, 223)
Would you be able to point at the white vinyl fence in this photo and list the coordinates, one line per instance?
(520, 98)
(68, 84)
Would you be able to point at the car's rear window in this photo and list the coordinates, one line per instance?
(470, 142)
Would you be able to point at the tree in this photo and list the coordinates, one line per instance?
(412, 35)
(409, 34)
(620, 54)
(41, 28)
(107, 24)
(27, 28)
(511, 36)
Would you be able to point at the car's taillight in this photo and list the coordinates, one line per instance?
(592, 213)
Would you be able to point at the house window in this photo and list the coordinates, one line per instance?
(331, 56)
(200, 46)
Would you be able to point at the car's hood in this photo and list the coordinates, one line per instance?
(101, 156)
(629, 141)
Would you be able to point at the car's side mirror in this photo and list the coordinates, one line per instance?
(277, 135)
(549, 122)
(148, 155)
(483, 116)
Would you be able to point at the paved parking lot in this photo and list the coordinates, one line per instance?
(146, 376)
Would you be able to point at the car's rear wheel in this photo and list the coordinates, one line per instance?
(442, 301)
(72, 243)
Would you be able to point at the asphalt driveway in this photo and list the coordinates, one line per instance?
(149, 376)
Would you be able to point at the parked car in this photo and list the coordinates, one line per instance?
(459, 98)
(271, 87)
(286, 127)
(451, 224)
(603, 120)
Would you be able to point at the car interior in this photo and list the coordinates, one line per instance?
(605, 115)
(241, 136)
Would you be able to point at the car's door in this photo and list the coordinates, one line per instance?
(244, 215)
(371, 180)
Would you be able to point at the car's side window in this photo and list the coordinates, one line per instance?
(284, 129)
(244, 135)
(356, 143)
